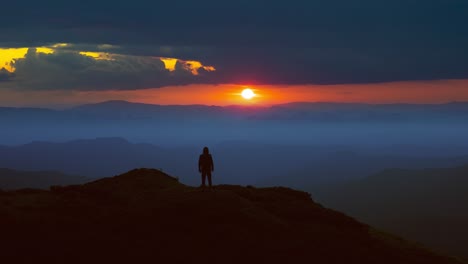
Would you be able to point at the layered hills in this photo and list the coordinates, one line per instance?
(294, 123)
(15, 179)
(248, 162)
(427, 205)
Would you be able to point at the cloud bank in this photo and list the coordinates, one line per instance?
(259, 42)
(84, 70)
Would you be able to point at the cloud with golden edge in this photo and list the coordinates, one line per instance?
(194, 66)
(9, 55)
(169, 63)
(61, 66)
(60, 45)
(97, 55)
(191, 66)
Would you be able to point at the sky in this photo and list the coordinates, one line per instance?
(58, 54)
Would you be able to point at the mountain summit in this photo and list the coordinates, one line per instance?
(147, 216)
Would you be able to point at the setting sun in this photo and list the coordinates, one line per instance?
(248, 94)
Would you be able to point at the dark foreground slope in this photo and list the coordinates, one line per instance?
(146, 216)
(429, 205)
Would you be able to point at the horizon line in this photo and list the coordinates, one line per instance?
(68, 107)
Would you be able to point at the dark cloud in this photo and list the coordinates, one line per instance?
(5, 75)
(313, 41)
(72, 70)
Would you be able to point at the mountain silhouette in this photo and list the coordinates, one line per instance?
(147, 216)
(307, 167)
(320, 111)
(14, 179)
(91, 157)
(299, 123)
(426, 205)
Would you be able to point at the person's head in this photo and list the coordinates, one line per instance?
(206, 151)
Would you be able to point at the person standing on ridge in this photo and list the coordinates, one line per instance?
(205, 166)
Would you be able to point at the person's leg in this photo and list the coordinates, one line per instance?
(203, 178)
(209, 178)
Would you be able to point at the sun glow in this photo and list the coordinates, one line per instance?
(248, 94)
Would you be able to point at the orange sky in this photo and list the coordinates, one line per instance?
(229, 94)
(226, 94)
(397, 92)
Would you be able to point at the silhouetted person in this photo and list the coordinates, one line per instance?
(205, 166)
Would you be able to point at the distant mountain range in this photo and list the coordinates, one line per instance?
(13, 179)
(318, 112)
(237, 162)
(295, 123)
(92, 158)
(147, 216)
(428, 205)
